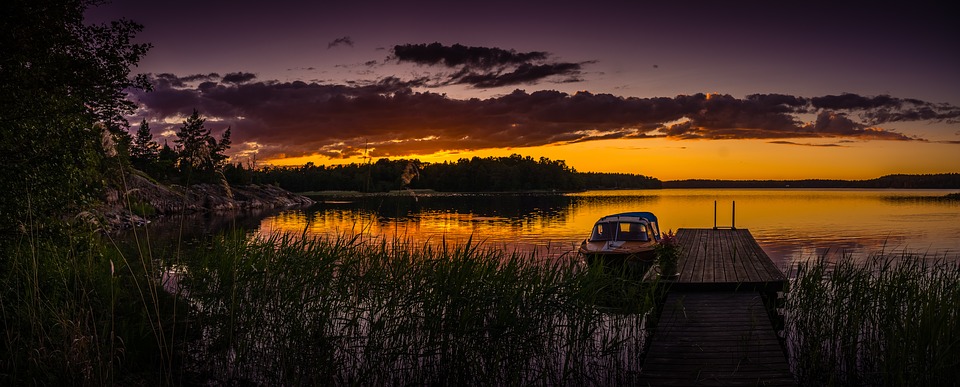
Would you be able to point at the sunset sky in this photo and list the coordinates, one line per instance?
(719, 89)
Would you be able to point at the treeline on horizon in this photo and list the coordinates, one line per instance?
(521, 173)
(925, 181)
(489, 174)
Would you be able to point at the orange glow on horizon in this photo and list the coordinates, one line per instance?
(667, 159)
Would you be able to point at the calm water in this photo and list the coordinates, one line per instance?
(790, 224)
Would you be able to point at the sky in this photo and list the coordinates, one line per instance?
(693, 90)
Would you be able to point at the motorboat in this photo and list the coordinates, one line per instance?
(627, 238)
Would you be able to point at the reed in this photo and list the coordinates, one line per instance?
(292, 310)
(78, 310)
(78, 313)
(888, 320)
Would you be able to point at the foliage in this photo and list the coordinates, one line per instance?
(283, 310)
(668, 253)
(198, 151)
(884, 321)
(514, 173)
(144, 151)
(166, 167)
(75, 312)
(598, 180)
(59, 79)
(287, 310)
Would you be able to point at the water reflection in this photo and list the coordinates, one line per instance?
(514, 221)
(790, 224)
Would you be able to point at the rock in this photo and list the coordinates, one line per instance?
(148, 198)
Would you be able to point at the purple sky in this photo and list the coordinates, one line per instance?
(838, 73)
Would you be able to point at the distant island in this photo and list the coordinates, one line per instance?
(476, 174)
(929, 181)
(520, 173)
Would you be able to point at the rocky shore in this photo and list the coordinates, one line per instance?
(144, 200)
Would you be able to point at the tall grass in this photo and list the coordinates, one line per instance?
(883, 321)
(291, 310)
(78, 313)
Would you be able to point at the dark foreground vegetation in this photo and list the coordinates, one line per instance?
(286, 310)
(888, 320)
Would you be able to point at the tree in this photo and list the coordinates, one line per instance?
(166, 162)
(193, 143)
(144, 151)
(199, 151)
(62, 83)
(122, 144)
(219, 157)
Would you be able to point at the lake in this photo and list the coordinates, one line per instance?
(790, 224)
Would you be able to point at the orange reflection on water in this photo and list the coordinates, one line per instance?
(790, 224)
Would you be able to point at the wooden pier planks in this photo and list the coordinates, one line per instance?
(714, 328)
(719, 259)
(715, 339)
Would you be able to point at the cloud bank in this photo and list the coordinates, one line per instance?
(388, 118)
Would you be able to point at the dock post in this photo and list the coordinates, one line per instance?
(733, 218)
(714, 214)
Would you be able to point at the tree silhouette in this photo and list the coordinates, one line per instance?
(62, 83)
(198, 150)
(144, 150)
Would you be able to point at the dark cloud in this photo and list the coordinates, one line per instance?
(346, 40)
(487, 67)
(884, 108)
(390, 119)
(852, 101)
(167, 79)
(200, 77)
(458, 55)
(779, 102)
(525, 73)
(238, 77)
(784, 142)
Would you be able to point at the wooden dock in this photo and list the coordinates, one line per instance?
(724, 259)
(714, 327)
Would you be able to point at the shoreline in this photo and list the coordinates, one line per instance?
(143, 201)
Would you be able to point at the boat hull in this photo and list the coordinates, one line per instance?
(634, 261)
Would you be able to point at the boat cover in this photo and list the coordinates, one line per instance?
(648, 216)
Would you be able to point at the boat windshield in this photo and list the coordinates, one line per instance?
(603, 232)
(630, 231)
(619, 231)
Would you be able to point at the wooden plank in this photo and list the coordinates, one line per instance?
(709, 267)
(759, 258)
(745, 259)
(727, 259)
(714, 338)
(696, 264)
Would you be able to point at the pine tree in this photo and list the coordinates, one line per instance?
(194, 143)
(218, 156)
(199, 151)
(144, 150)
(166, 162)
